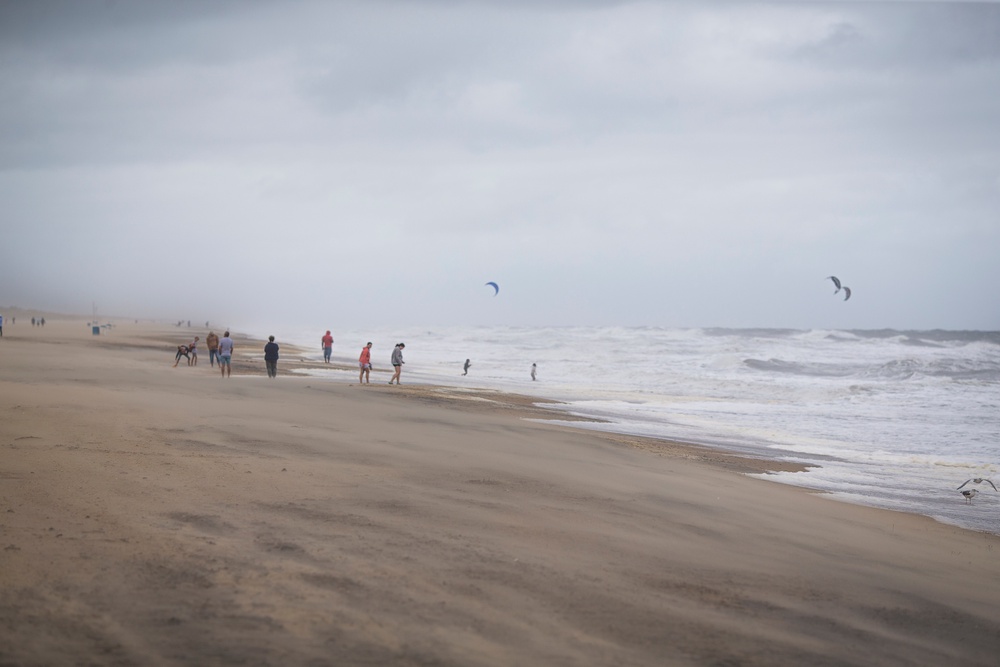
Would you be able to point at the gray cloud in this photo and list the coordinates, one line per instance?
(692, 164)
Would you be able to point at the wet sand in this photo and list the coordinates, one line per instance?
(152, 515)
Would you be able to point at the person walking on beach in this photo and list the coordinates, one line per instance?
(226, 347)
(327, 347)
(534, 368)
(1, 326)
(365, 362)
(271, 357)
(397, 363)
(193, 349)
(212, 341)
(465, 369)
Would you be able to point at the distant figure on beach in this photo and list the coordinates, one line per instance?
(212, 341)
(32, 321)
(226, 347)
(365, 362)
(534, 369)
(327, 347)
(397, 362)
(193, 349)
(182, 351)
(42, 321)
(271, 357)
(1, 326)
(465, 369)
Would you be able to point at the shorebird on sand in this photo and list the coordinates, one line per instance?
(979, 480)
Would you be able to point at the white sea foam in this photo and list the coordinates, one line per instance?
(893, 419)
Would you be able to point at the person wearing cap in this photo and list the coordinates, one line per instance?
(271, 357)
(226, 348)
(397, 362)
(327, 347)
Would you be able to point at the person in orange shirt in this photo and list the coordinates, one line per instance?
(365, 361)
(327, 347)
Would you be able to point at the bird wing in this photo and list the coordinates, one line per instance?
(965, 482)
(991, 484)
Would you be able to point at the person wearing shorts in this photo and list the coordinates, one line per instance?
(226, 347)
(365, 362)
(397, 363)
(193, 349)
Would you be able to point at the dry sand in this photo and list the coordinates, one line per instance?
(152, 515)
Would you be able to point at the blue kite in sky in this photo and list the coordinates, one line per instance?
(496, 288)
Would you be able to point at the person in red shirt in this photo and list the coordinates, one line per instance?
(327, 347)
(365, 361)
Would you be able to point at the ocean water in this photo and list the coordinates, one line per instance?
(891, 419)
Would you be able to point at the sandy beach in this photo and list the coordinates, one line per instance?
(152, 515)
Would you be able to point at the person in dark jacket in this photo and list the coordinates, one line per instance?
(271, 357)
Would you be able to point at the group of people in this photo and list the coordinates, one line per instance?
(219, 350)
(39, 321)
(365, 360)
(365, 363)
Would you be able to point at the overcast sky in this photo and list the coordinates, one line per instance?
(687, 164)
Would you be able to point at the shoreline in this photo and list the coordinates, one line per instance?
(830, 442)
(297, 361)
(159, 515)
(521, 406)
